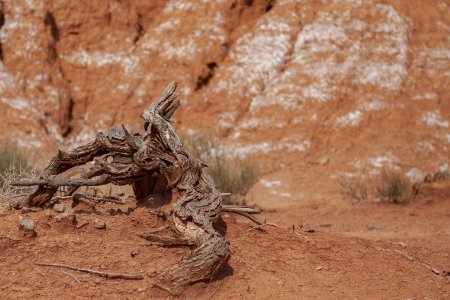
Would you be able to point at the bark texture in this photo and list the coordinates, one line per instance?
(152, 163)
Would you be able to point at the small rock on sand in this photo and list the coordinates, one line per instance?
(59, 207)
(100, 225)
(26, 223)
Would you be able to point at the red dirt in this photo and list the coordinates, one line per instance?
(357, 251)
(317, 91)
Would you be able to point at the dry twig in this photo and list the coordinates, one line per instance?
(299, 234)
(265, 224)
(215, 291)
(414, 260)
(70, 275)
(244, 211)
(99, 273)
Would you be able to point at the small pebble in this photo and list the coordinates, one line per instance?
(307, 228)
(26, 223)
(59, 207)
(374, 227)
(100, 225)
(134, 252)
(48, 214)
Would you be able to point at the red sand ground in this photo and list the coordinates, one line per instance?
(316, 90)
(359, 251)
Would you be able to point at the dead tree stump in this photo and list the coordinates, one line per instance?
(152, 163)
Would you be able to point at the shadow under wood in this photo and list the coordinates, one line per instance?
(221, 226)
(120, 212)
(226, 271)
(155, 200)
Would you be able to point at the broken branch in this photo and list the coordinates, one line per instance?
(70, 275)
(56, 182)
(244, 211)
(99, 273)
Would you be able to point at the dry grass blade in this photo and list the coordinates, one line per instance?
(231, 175)
(17, 170)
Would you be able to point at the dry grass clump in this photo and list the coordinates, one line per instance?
(355, 189)
(389, 186)
(231, 175)
(14, 165)
(10, 159)
(395, 187)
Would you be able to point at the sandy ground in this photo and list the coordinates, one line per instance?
(363, 251)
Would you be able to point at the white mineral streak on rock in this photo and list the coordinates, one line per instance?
(127, 61)
(434, 119)
(256, 56)
(426, 96)
(270, 183)
(351, 119)
(325, 57)
(376, 161)
(188, 46)
(289, 144)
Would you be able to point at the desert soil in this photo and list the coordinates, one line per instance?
(317, 91)
(358, 251)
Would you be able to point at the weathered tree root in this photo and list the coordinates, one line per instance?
(153, 163)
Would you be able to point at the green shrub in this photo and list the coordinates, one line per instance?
(231, 175)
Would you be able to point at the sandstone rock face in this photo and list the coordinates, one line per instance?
(365, 83)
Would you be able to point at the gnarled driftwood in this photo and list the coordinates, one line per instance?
(153, 163)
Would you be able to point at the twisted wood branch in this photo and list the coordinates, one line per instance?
(154, 162)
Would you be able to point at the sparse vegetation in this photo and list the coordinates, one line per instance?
(10, 159)
(395, 187)
(442, 173)
(231, 175)
(389, 187)
(355, 189)
(14, 166)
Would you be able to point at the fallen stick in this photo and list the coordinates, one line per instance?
(99, 273)
(299, 234)
(215, 291)
(70, 275)
(238, 208)
(244, 211)
(414, 260)
(264, 225)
